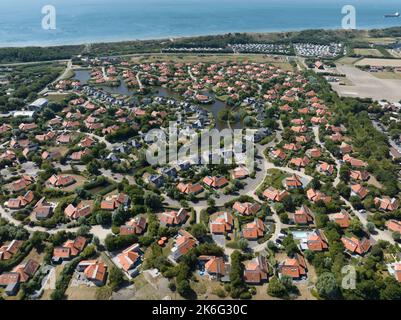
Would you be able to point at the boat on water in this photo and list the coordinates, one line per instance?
(392, 15)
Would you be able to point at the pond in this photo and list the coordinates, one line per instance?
(84, 76)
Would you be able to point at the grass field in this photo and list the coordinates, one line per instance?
(210, 58)
(387, 75)
(347, 60)
(368, 52)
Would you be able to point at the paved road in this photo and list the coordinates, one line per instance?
(321, 144)
(61, 77)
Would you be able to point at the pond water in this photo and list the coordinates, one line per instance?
(84, 76)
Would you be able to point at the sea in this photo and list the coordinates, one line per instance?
(89, 21)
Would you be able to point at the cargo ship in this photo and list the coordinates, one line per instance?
(393, 15)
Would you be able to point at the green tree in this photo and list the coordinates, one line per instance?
(327, 286)
(116, 278)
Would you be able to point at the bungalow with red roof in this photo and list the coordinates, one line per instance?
(129, 259)
(294, 267)
(343, 219)
(275, 195)
(316, 195)
(184, 242)
(69, 250)
(386, 203)
(394, 225)
(359, 191)
(317, 241)
(190, 188)
(113, 202)
(43, 209)
(345, 148)
(253, 230)
(222, 224)
(22, 183)
(292, 147)
(136, 225)
(215, 182)
(174, 218)
(246, 208)
(325, 168)
(278, 154)
(256, 271)
(300, 162)
(7, 251)
(26, 270)
(303, 216)
(11, 282)
(81, 210)
(20, 201)
(359, 175)
(354, 162)
(240, 172)
(214, 266)
(94, 271)
(293, 182)
(61, 181)
(314, 153)
(354, 245)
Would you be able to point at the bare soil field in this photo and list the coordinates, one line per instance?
(365, 85)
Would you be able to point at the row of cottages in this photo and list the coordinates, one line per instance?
(61, 181)
(136, 225)
(246, 208)
(11, 281)
(215, 182)
(70, 249)
(113, 202)
(129, 259)
(76, 212)
(21, 201)
(223, 223)
(174, 218)
(9, 250)
(189, 188)
(184, 242)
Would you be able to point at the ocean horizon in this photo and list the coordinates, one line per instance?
(123, 20)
